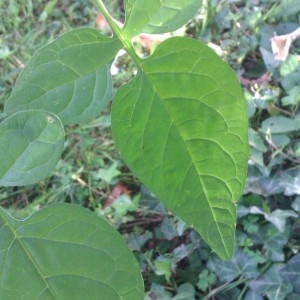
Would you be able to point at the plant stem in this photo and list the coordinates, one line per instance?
(206, 16)
(274, 6)
(117, 30)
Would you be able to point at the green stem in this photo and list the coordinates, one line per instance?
(205, 6)
(274, 6)
(117, 30)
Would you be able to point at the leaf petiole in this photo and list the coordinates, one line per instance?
(114, 25)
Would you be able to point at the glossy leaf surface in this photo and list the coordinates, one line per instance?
(157, 16)
(65, 252)
(31, 143)
(181, 126)
(69, 77)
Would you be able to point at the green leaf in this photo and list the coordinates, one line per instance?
(163, 267)
(185, 291)
(272, 240)
(285, 9)
(157, 16)
(296, 204)
(240, 265)
(291, 272)
(136, 240)
(271, 284)
(108, 174)
(252, 295)
(256, 141)
(31, 143)
(277, 217)
(292, 296)
(158, 292)
(257, 147)
(181, 126)
(69, 77)
(279, 124)
(169, 229)
(206, 279)
(65, 252)
(293, 98)
(256, 157)
(290, 72)
(279, 140)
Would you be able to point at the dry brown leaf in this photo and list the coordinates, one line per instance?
(101, 23)
(281, 44)
(116, 192)
(149, 40)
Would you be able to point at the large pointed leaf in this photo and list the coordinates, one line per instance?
(65, 252)
(157, 16)
(69, 77)
(31, 143)
(181, 126)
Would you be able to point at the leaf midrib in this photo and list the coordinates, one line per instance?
(144, 74)
(28, 254)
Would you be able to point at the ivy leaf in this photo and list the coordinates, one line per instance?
(158, 292)
(181, 126)
(291, 273)
(163, 267)
(31, 143)
(271, 284)
(68, 77)
(240, 265)
(272, 240)
(296, 204)
(136, 240)
(252, 295)
(292, 296)
(277, 217)
(157, 16)
(65, 252)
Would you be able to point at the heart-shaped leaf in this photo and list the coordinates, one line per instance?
(69, 77)
(157, 16)
(31, 143)
(65, 252)
(181, 126)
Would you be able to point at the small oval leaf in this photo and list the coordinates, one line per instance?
(65, 252)
(31, 143)
(69, 77)
(157, 16)
(181, 126)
